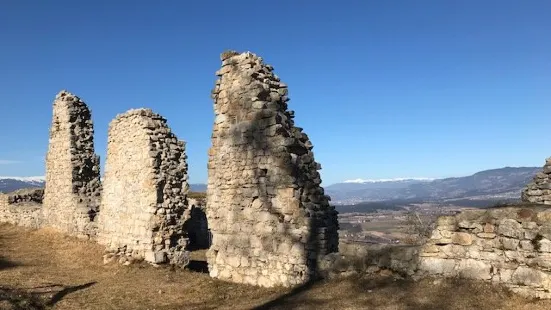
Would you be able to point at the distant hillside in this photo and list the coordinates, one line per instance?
(10, 184)
(495, 184)
(198, 187)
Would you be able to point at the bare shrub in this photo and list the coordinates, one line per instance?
(419, 228)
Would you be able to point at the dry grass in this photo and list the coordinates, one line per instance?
(42, 269)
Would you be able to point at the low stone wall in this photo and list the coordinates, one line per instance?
(22, 208)
(359, 258)
(509, 245)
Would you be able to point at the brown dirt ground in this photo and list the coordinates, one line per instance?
(45, 270)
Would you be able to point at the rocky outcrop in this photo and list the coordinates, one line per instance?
(268, 214)
(509, 245)
(72, 191)
(539, 190)
(143, 206)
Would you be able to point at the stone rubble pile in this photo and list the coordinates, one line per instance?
(34, 195)
(22, 208)
(143, 206)
(270, 220)
(73, 188)
(539, 190)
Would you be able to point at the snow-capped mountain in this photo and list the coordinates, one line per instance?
(9, 184)
(364, 181)
(489, 184)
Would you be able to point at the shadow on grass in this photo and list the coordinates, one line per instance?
(36, 298)
(284, 299)
(6, 264)
(67, 290)
(391, 293)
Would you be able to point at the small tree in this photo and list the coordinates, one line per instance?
(419, 229)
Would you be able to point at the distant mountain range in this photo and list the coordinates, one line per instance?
(10, 184)
(495, 184)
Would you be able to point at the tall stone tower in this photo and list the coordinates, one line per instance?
(143, 206)
(72, 192)
(269, 217)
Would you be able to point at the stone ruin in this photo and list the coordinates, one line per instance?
(539, 190)
(268, 214)
(143, 205)
(22, 207)
(270, 221)
(142, 211)
(73, 188)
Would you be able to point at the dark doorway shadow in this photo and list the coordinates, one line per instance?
(198, 229)
(198, 266)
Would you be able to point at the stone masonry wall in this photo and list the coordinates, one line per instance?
(509, 245)
(539, 190)
(269, 217)
(22, 208)
(143, 206)
(73, 188)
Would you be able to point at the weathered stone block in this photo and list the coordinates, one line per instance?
(474, 269)
(530, 277)
(462, 238)
(155, 257)
(437, 266)
(510, 228)
(509, 243)
(486, 235)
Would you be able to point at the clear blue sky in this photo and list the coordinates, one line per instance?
(384, 89)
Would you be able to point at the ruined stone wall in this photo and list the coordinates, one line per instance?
(539, 190)
(367, 259)
(269, 217)
(144, 190)
(22, 208)
(509, 245)
(72, 191)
